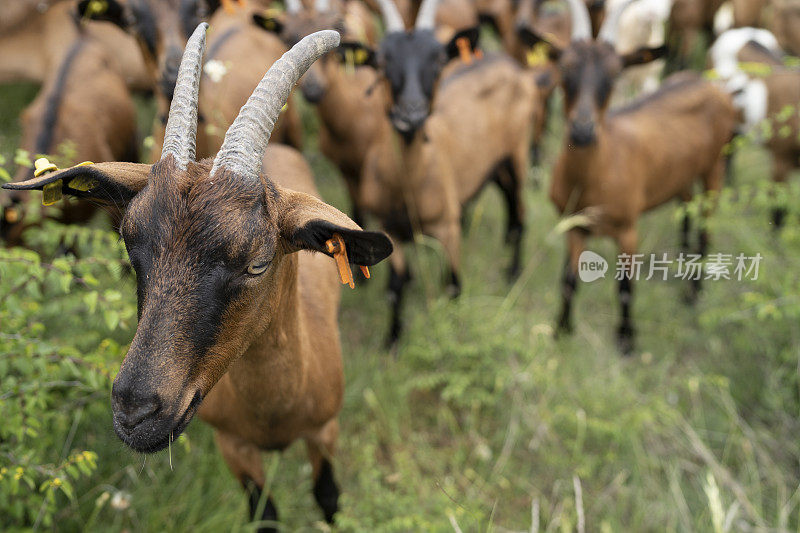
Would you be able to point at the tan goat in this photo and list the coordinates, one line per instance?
(769, 101)
(237, 52)
(343, 86)
(689, 22)
(451, 132)
(786, 24)
(234, 324)
(35, 45)
(84, 103)
(616, 165)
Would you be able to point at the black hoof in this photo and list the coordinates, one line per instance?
(326, 492)
(563, 329)
(778, 218)
(512, 273)
(625, 340)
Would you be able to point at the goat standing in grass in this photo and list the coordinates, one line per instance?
(237, 51)
(453, 128)
(33, 44)
(85, 104)
(234, 323)
(617, 164)
(769, 100)
(342, 86)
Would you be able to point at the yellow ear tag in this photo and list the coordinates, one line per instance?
(349, 61)
(537, 56)
(51, 193)
(82, 183)
(361, 56)
(96, 7)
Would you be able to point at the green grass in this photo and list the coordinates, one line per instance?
(482, 421)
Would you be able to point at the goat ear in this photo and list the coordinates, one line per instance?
(109, 183)
(359, 53)
(533, 39)
(643, 55)
(470, 34)
(307, 223)
(269, 23)
(107, 10)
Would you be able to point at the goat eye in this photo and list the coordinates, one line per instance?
(257, 268)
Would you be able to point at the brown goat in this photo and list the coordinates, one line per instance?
(161, 28)
(234, 324)
(768, 101)
(616, 165)
(689, 21)
(748, 13)
(343, 87)
(35, 45)
(240, 49)
(451, 132)
(84, 103)
(786, 24)
(783, 90)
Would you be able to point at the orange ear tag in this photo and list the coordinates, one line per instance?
(462, 43)
(228, 5)
(336, 247)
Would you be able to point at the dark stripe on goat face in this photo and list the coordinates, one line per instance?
(588, 71)
(412, 63)
(44, 139)
(190, 240)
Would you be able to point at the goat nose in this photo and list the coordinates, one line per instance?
(582, 133)
(132, 413)
(410, 116)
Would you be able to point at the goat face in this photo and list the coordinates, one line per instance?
(588, 71)
(210, 244)
(588, 68)
(205, 252)
(412, 63)
(161, 28)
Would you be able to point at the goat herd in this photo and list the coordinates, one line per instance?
(235, 326)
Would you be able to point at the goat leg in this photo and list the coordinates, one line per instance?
(569, 281)
(320, 452)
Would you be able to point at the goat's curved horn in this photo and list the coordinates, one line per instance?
(293, 6)
(180, 133)
(246, 140)
(610, 28)
(322, 6)
(581, 23)
(426, 16)
(391, 16)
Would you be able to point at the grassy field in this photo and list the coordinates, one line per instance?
(482, 421)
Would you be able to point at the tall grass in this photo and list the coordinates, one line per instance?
(482, 421)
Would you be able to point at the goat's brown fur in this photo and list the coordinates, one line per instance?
(261, 351)
(34, 46)
(479, 130)
(244, 50)
(646, 154)
(785, 24)
(85, 103)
